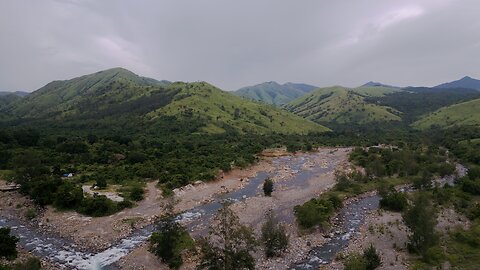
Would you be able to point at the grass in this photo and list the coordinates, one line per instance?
(462, 114)
(342, 105)
(221, 108)
(274, 93)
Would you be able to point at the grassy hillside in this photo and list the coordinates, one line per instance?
(274, 93)
(462, 114)
(223, 108)
(415, 102)
(118, 98)
(112, 86)
(343, 106)
(375, 91)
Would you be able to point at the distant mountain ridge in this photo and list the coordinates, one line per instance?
(16, 93)
(118, 97)
(275, 93)
(378, 84)
(465, 82)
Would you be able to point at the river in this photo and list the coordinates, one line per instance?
(70, 256)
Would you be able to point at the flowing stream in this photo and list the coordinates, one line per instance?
(71, 256)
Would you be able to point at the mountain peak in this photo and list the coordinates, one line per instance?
(465, 82)
(377, 84)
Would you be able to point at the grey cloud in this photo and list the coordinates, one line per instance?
(237, 43)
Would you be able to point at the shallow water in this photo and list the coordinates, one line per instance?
(351, 217)
(69, 255)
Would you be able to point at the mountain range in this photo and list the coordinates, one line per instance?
(465, 82)
(275, 93)
(120, 96)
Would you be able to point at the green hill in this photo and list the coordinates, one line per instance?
(112, 85)
(118, 97)
(461, 114)
(344, 106)
(274, 93)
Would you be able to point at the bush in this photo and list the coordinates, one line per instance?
(394, 201)
(33, 263)
(97, 206)
(355, 262)
(68, 196)
(372, 258)
(169, 242)
(317, 211)
(268, 187)
(136, 193)
(8, 244)
(31, 213)
(274, 236)
(369, 260)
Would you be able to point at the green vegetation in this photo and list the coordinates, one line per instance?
(415, 102)
(170, 242)
(462, 114)
(421, 219)
(8, 244)
(317, 211)
(32, 263)
(463, 247)
(268, 187)
(393, 200)
(274, 93)
(274, 236)
(339, 105)
(229, 245)
(369, 260)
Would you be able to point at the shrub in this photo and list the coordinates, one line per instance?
(355, 262)
(169, 242)
(394, 201)
(369, 260)
(372, 258)
(8, 244)
(268, 187)
(97, 206)
(136, 193)
(317, 211)
(33, 263)
(229, 245)
(68, 196)
(274, 236)
(31, 213)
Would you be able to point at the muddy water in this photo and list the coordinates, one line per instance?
(68, 255)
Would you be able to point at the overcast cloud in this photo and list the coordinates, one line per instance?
(237, 43)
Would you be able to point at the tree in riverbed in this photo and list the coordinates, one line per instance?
(229, 244)
(8, 244)
(421, 219)
(274, 236)
(169, 243)
(268, 187)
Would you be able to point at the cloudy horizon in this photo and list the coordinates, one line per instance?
(232, 44)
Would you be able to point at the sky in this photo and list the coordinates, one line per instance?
(232, 44)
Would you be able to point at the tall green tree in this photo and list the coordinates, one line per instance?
(8, 244)
(274, 236)
(421, 219)
(169, 243)
(229, 244)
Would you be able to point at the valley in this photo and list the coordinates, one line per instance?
(106, 164)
